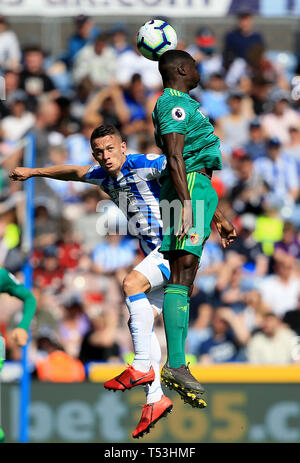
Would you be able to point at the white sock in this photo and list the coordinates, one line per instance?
(141, 325)
(154, 391)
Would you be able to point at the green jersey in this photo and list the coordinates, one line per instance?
(9, 284)
(177, 112)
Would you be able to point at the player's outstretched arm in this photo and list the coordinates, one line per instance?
(174, 144)
(73, 173)
(225, 228)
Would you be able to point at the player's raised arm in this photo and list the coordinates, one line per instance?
(61, 172)
(174, 144)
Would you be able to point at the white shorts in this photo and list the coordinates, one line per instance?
(157, 271)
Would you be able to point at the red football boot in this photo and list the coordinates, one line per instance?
(130, 378)
(151, 414)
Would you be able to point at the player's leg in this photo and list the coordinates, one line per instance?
(175, 374)
(140, 324)
(157, 404)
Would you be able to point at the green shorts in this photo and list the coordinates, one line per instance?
(204, 202)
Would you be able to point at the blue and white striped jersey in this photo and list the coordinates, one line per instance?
(136, 192)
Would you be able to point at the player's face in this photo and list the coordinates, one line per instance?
(109, 152)
(193, 73)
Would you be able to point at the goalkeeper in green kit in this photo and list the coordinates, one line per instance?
(10, 285)
(186, 137)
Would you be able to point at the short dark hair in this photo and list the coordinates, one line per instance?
(171, 59)
(103, 131)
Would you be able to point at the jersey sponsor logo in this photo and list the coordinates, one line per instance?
(178, 113)
(152, 156)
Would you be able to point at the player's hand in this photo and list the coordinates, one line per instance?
(20, 336)
(187, 219)
(20, 173)
(226, 231)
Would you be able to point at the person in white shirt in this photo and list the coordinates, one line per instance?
(98, 62)
(20, 121)
(10, 53)
(274, 344)
(280, 291)
(282, 117)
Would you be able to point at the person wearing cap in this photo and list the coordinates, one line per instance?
(10, 53)
(205, 53)
(20, 121)
(279, 171)
(240, 41)
(255, 146)
(85, 33)
(281, 118)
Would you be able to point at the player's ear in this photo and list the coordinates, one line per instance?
(123, 146)
(181, 70)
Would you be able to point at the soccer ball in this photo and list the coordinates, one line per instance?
(155, 37)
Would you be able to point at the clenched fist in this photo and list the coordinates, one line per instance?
(21, 173)
(20, 336)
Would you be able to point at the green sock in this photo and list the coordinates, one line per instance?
(2, 436)
(185, 331)
(175, 310)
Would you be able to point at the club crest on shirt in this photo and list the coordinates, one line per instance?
(178, 113)
(194, 237)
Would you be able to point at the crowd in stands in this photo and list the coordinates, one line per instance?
(246, 301)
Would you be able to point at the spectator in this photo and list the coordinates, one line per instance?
(280, 290)
(226, 340)
(293, 147)
(84, 34)
(239, 42)
(204, 52)
(131, 62)
(281, 118)
(279, 172)
(255, 146)
(249, 189)
(109, 104)
(73, 327)
(33, 78)
(245, 245)
(99, 345)
(56, 366)
(78, 145)
(273, 345)
(200, 330)
(290, 243)
(20, 121)
(10, 53)
(11, 82)
(120, 39)
(214, 97)
(113, 255)
(97, 62)
(234, 126)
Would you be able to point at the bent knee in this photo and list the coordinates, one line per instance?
(135, 283)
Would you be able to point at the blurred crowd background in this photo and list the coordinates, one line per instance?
(246, 301)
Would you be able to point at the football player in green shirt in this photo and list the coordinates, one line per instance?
(186, 137)
(10, 285)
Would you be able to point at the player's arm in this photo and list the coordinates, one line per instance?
(225, 228)
(174, 144)
(61, 172)
(17, 289)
